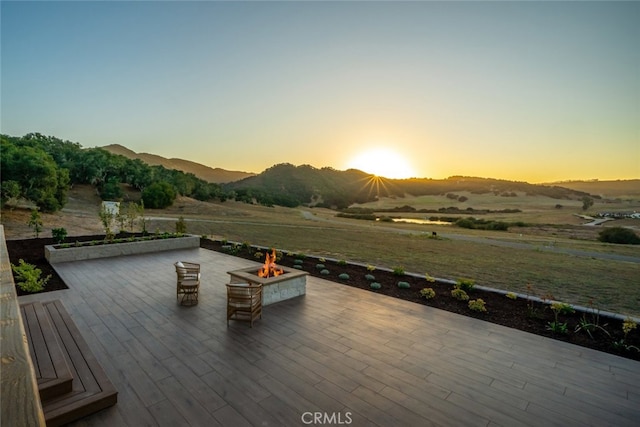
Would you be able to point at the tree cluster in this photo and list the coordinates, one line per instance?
(42, 168)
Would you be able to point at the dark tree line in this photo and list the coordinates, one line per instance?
(42, 168)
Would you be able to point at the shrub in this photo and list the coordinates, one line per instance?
(181, 226)
(158, 195)
(619, 235)
(371, 268)
(342, 262)
(398, 271)
(59, 234)
(35, 222)
(319, 266)
(324, 272)
(404, 285)
(465, 284)
(343, 276)
(375, 285)
(298, 261)
(370, 277)
(258, 255)
(459, 294)
(477, 305)
(511, 295)
(300, 256)
(298, 267)
(427, 293)
(28, 277)
(429, 278)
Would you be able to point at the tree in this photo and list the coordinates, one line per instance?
(158, 195)
(587, 202)
(10, 190)
(619, 235)
(35, 222)
(38, 176)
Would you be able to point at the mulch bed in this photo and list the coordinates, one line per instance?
(521, 314)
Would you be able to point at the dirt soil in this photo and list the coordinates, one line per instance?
(532, 317)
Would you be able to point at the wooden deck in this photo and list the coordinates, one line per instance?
(347, 354)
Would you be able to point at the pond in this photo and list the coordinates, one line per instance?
(421, 221)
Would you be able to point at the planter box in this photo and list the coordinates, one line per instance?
(84, 252)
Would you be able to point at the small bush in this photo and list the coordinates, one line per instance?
(459, 294)
(320, 266)
(343, 276)
(298, 261)
(28, 277)
(375, 285)
(370, 277)
(477, 305)
(511, 295)
(371, 268)
(324, 272)
(398, 271)
(619, 235)
(181, 226)
(404, 285)
(297, 267)
(59, 234)
(429, 278)
(465, 284)
(258, 255)
(322, 260)
(427, 293)
(342, 262)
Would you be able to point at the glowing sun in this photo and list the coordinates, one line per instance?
(384, 163)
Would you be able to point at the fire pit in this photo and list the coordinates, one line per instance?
(278, 283)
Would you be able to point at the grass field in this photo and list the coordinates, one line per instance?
(484, 256)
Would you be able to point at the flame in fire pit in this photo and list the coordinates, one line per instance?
(270, 269)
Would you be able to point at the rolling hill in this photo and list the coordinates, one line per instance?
(206, 173)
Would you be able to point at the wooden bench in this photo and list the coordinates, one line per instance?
(89, 391)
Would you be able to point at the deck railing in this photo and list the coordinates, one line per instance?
(20, 401)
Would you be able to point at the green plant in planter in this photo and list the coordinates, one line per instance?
(370, 277)
(297, 267)
(428, 293)
(320, 266)
(375, 285)
(28, 277)
(342, 262)
(404, 285)
(627, 326)
(322, 260)
(477, 305)
(465, 284)
(181, 226)
(559, 308)
(324, 272)
(298, 262)
(258, 255)
(343, 276)
(429, 279)
(59, 234)
(35, 222)
(398, 270)
(459, 294)
(300, 256)
(371, 268)
(511, 295)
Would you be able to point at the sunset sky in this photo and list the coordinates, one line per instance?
(530, 91)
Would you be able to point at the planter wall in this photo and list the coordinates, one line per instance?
(54, 255)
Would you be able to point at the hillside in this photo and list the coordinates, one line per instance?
(605, 189)
(206, 173)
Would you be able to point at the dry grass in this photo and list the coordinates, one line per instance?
(612, 285)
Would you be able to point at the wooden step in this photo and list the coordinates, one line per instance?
(91, 389)
(52, 371)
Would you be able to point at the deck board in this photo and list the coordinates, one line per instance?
(336, 350)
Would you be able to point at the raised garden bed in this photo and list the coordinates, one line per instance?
(93, 249)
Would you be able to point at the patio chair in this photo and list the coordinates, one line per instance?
(244, 302)
(188, 282)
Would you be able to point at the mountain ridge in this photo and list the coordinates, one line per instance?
(209, 174)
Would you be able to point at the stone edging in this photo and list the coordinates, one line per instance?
(55, 255)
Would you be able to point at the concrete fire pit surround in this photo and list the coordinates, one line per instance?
(291, 284)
